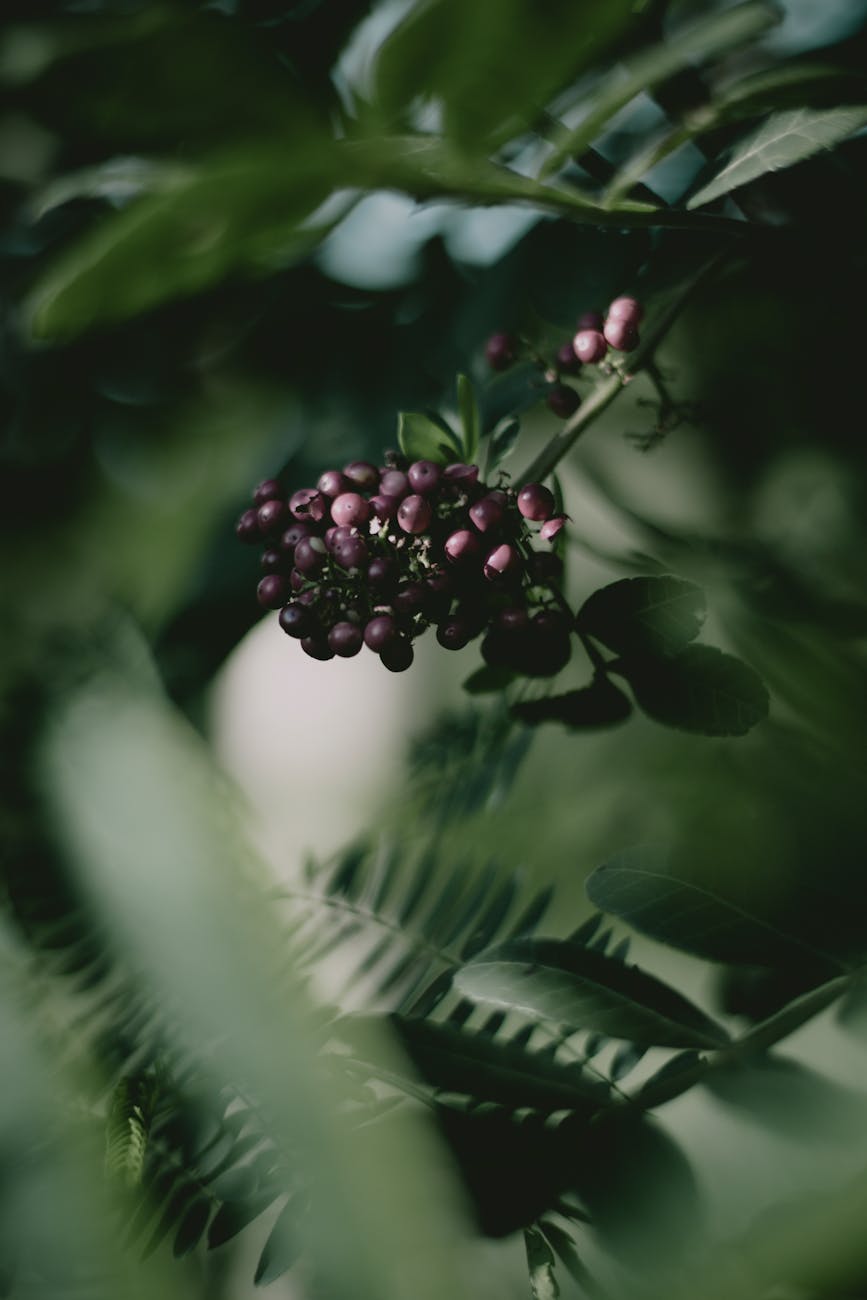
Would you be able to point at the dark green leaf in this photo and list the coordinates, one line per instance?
(564, 1248)
(503, 441)
(281, 1250)
(488, 678)
(467, 1061)
(193, 1225)
(573, 985)
(649, 614)
(470, 423)
(600, 704)
(233, 1216)
(644, 889)
(785, 139)
(700, 690)
(540, 1263)
(420, 438)
(702, 40)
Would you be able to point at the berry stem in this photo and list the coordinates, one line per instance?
(605, 392)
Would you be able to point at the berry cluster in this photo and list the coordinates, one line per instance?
(374, 556)
(617, 329)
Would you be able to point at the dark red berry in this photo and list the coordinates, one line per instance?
(310, 555)
(514, 618)
(563, 400)
(296, 620)
(501, 351)
(350, 552)
(273, 561)
(566, 360)
(424, 475)
(397, 655)
(332, 483)
(414, 514)
(453, 633)
(461, 475)
(307, 503)
(501, 562)
(316, 647)
(273, 591)
(382, 575)
(410, 598)
(272, 517)
(268, 490)
(626, 309)
(393, 483)
(296, 580)
(590, 346)
(293, 534)
(380, 631)
(590, 320)
(536, 502)
(462, 546)
(350, 508)
(552, 527)
(362, 474)
(247, 528)
(622, 335)
(345, 639)
(383, 507)
(487, 513)
(440, 587)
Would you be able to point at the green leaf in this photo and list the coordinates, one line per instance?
(581, 988)
(243, 211)
(496, 1069)
(700, 41)
(540, 1262)
(233, 1216)
(600, 704)
(420, 438)
(282, 1248)
(782, 141)
(493, 64)
(700, 690)
(470, 422)
(503, 441)
(193, 1225)
(645, 889)
(644, 615)
(489, 678)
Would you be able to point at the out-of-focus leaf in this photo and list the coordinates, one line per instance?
(702, 40)
(503, 441)
(540, 1263)
(487, 679)
(644, 889)
(420, 438)
(782, 141)
(282, 1248)
(700, 690)
(654, 615)
(600, 704)
(469, 412)
(574, 985)
(493, 64)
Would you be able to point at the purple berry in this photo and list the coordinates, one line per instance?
(487, 513)
(268, 490)
(310, 555)
(461, 475)
(621, 334)
(350, 552)
(590, 346)
(453, 633)
(307, 503)
(552, 527)
(272, 560)
(345, 639)
(271, 517)
(296, 580)
(247, 528)
(380, 631)
(462, 546)
(382, 575)
(293, 534)
(440, 587)
(501, 562)
(273, 591)
(384, 508)
(590, 320)
(563, 400)
(335, 533)
(362, 474)
(350, 508)
(626, 309)
(501, 351)
(296, 620)
(397, 655)
(393, 483)
(414, 514)
(410, 598)
(566, 360)
(332, 483)
(536, 502)
(316, 648)
(514, 618)
(424, 475)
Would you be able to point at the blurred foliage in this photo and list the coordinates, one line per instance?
(432, 1036)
